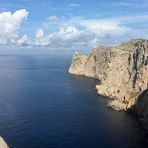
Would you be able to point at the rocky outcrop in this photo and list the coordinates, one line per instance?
(2, 143)
(122, 70)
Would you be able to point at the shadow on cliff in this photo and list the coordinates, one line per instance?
(141, 104)
(140, 111)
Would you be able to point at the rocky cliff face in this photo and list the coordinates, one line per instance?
(2, 143)
(122, 70)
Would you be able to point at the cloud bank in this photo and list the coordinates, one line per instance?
(60, 32)
(79, 33)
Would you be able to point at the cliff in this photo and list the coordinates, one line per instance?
(123, 72)
(2, 143)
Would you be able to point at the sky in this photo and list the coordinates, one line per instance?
(71, 24)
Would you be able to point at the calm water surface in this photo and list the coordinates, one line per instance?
(42, 106)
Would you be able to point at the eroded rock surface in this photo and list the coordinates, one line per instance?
(122, 70)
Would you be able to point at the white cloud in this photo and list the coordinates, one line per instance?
(40, 39)
(80, 33)
(60, 32)
(24, 41)
(64, 37)
(39, 33)
(101, 28)
(10, 25)
(69, 33)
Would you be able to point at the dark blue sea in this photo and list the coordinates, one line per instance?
(43, 106)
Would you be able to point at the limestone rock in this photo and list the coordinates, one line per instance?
(122, 70)
(2, 143)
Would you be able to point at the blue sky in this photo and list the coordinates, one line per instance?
(71, 23)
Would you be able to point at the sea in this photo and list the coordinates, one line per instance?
(43, 106)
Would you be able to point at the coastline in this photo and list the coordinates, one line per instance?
(123, 72)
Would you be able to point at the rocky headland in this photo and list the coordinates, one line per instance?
(123, 72)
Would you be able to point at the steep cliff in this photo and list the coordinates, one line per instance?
(122, 70)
